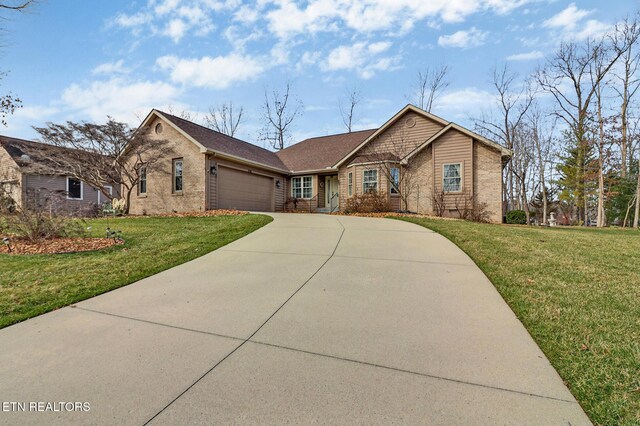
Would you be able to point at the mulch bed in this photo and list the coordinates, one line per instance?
(58, 245)
(206, 213)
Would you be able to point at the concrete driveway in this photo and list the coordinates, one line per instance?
(311, 319)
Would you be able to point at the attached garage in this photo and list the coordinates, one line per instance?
(241, 190)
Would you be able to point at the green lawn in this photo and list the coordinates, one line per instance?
(577, 291)
(34, 284)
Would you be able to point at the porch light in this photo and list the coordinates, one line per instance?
(213, 170)
(278, 183)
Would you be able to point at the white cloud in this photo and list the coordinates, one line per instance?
(109, 68)
(528, 56)
(217, 72)
(568, 18)
(288, 19)
(464, 39)
(117, 97)
(360, 56)
(464, 103)
(570, 24)
(175, 18)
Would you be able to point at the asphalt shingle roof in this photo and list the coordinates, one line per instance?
(321, 152)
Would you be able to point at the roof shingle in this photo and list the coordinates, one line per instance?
(222, 143)
(39, 158)
(321, 152)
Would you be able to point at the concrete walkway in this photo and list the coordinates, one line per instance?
(311, 319)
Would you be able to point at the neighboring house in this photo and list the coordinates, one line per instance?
(30, 173)
(209, 170)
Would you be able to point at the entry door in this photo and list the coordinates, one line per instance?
(332, 193)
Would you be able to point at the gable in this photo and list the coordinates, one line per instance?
(400, 138)
(209, 141)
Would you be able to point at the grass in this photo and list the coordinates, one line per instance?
(577, 291)
(34, 284)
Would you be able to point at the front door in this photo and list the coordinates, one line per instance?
(331, 193)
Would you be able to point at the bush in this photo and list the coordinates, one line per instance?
(34, 225)
(371, 202)
(517, 217)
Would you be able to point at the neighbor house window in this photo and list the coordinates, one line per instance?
(74, 189)
(142, 183)
(350, 186)
(395, 180)
(108, 189)
(302, 187)
(452, 177)
(177, 175)
(370, 181)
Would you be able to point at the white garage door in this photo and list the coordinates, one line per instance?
(244, 191)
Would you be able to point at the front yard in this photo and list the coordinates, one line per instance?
(34, 284)
(577, 291)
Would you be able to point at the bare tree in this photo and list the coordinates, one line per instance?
(573, 76)
(430, 83)
(626, 35)
(279, 112)
(182, 113)
(16, 5)
(390, 158)
(224, 119)
(348, 110)
(542, 138)
(110, 154)
(513, 102)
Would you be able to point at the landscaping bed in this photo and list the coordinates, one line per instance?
(57, 245)
(577, 291)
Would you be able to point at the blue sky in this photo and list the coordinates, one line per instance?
(84, 60)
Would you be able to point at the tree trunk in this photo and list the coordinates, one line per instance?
(128, 203)
(601, 212)
(637, 213)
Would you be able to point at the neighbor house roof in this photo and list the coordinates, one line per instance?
(322, 152)
(39, 158)
(221, 143)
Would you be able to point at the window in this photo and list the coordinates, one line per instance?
(452, 177)
(350, 187)
(74, 189)
(108, 189)
(369, 181)
(177, 175)
(142, 182)
(302, 187)
(395, 180)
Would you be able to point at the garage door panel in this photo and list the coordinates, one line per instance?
(244, 191)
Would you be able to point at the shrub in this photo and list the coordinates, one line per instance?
(35, 225)
(517, 217)
(370, 202)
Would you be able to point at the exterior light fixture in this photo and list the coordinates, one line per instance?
(213, 170)
(278, 183)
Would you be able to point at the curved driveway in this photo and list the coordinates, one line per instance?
(311, 319)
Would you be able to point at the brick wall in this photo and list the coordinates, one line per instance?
(488, 179)
(10, 177)
(160, 197)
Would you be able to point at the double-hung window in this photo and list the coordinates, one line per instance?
(452, 177)
(370, 181)
(350, 186)
(142, 182)
(395, 180)
(177, 175)
(74, 189)
(302, 186)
